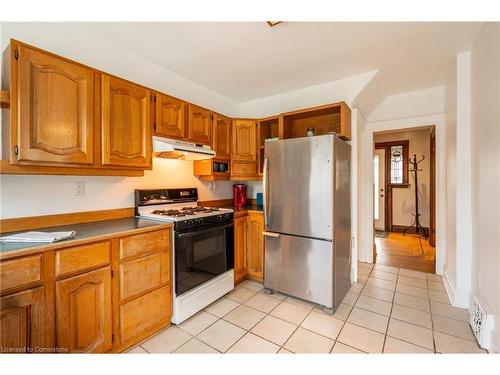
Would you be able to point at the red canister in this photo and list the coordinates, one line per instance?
(240, 195)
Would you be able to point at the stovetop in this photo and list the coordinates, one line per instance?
(180, 207)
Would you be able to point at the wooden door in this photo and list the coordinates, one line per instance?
(244, 140)
(200, 125)
(55, 110)
(83, 311)
(240, 244)
(255, 246)
(23, 322)
(125, 124)
(222, 137)
(170, 117)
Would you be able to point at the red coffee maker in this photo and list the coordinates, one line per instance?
(239, 195)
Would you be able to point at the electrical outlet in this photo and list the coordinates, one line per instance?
(79, 188)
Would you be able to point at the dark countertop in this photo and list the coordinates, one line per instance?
(244, 210)
(85, 231)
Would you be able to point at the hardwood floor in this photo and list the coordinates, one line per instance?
(410, 252)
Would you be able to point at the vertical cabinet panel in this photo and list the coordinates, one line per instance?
(222, 137)
(23, 321)
(200, 125)
(170, 117)
(255, 246)
(83, 310)
(54, 122)
(125, 124)
(240, 243)
(244, 140)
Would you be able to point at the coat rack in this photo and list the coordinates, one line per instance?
(416, 222)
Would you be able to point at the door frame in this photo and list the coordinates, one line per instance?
(387, 185)
(439, 121)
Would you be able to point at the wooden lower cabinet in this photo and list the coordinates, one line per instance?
(240, 242)
(249, 247)
(255, 246)
(106, 295)
(23, 322)
(141, 316)
(83, 312)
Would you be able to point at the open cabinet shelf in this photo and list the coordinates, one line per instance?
(324, 120)
(268, 128)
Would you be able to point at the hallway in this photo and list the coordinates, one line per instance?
(410, 252)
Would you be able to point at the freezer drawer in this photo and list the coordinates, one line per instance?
(300, 267)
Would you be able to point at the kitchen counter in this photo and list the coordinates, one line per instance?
(85, 232)
(238, 212)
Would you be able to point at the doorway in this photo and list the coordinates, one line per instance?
(403, 199)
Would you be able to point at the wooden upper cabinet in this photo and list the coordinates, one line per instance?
(23, 321)
(222, 137)
(170, 119)
(200, 125)
(125, 124)
(83, 311)
(52, 120)
(244, 140)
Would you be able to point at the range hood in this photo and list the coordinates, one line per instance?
(180, 150)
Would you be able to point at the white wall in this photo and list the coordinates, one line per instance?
(403, 199)
(450, 269)
(410, 104)
(43, 195)
(485, 144)
(341, 90)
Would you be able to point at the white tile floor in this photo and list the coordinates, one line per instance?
(389, 311)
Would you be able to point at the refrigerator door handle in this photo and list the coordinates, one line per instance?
(264, 190)
(271, 234)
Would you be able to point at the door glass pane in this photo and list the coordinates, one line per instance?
(376, 187)
(396, 164)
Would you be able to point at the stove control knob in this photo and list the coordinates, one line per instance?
(199, 221)
(189, 223)
(220, 217)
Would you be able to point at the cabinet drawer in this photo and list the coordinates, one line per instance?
(146, 273)
(241, 168)
(145, 313)
(19, 272)
(81, 258)
(145, 243)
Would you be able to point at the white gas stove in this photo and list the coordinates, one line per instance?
(203, 246)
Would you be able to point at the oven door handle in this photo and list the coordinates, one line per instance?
(208, 230)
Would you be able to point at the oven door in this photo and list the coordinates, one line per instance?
(201, 255)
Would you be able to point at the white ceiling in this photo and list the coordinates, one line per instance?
(249, 60)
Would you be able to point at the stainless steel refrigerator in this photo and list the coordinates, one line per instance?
(307, 218)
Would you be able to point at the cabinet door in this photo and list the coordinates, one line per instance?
(255, 246)
(125, 124)
(200, 125)
(83, 310)
(170, 117)
(22, 321)
(244, 140)
(240, 244)
(55, 109)
(222, 137)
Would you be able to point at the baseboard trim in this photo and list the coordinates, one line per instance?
(401, 229)
(458, 298)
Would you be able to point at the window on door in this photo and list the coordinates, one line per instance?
(396, 154)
